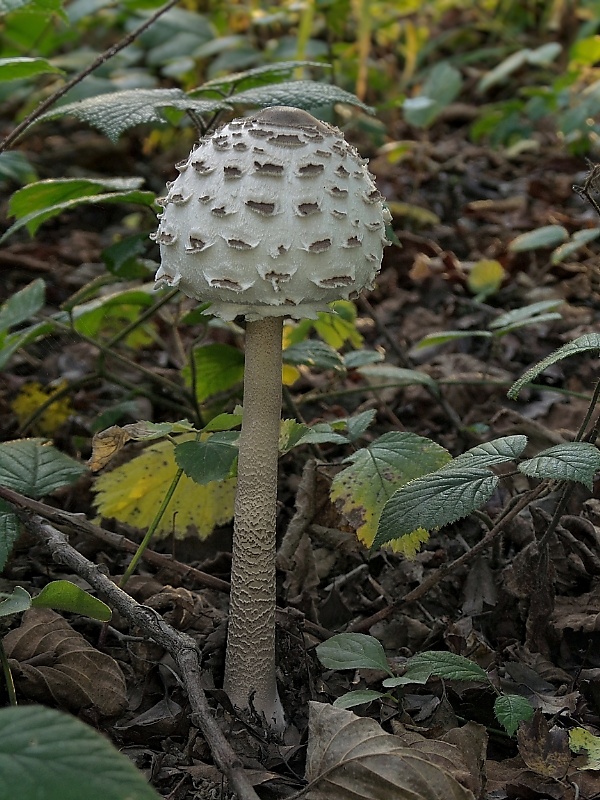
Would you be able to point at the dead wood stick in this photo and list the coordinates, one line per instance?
(181, 646)
(77, 522)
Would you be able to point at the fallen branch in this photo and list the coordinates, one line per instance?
(181, 647)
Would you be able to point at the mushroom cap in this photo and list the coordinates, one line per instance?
(273, 214)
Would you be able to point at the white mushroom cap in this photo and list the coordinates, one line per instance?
(274, 214)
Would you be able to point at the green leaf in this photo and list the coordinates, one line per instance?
(38, 202)
(383, 374)
(15, 603)
(217, 367)
(14, 341)
(441, 337)
(14, 69)
(361, 490)
(23, 304)
(498, 451)
(360, 358)
(35, 468)
(352, 651)
(123, 257)
(572, 461)
(65, 596)
(223, 422)
(358, 424)
(47, 6)
(442, 86)
(449, 666)
(299, 94)
(313, 353)
(527, 314)
(583, 344)
(511, 710)
(209, 460)
(115, 112)
(15, 167)
(357, 698)
(546, 236)
(9, 532)
(504, 69)
(578, 240)
(266, 73)
(293, 434)
(48, 755)
(434, 500)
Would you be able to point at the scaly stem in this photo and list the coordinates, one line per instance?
(250, 661)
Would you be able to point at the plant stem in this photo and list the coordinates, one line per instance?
(250, 661)
(8, 678)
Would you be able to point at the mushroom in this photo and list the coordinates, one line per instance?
(272, 215)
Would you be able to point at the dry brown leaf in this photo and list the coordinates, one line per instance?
(51, 661)
(544, 750)
(106, 444)
(351, 756)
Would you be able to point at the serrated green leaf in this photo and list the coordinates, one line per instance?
(265, 73)
(15, 69)
(313, 353)
(223, 422)
(546, 236)
(441, 337)
(35, 468)
(352, 651)
(449, 666)
(529, 313)
(210, 460)
(583, 344)
(321, 433)
(572, 461)
(434, 500)
(361, 490)
(498, 451)
(382, 374)
(358, 424)
(357, 698)
(9, 532)
(63, 595)
(47, 754)
(22, 304)
(511, 710)
(15, 603)
(217, 368)
(299, 94)
(115, 112)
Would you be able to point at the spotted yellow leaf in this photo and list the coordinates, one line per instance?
(583, 742)
(132, 493)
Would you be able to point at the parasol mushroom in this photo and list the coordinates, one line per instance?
(272, 215)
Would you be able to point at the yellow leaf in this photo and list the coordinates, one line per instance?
(133, 493)
(289, 374)
(410, 544)
(485, 277)
(582, 741)
(32, 397)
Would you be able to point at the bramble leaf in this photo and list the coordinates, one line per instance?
(217, 368)
(497, 451)
(511, 710)
(35, 468)
(299, 94)
(115, 112)
(572, 461)
(353, 651)
(441, 664)
(212, 459)
(435, 500)
(583, 344)
(361, 490)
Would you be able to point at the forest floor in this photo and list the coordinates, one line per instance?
(537, 636)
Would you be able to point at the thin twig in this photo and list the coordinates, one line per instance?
(79, 524)
(181, 647)
(101, 59)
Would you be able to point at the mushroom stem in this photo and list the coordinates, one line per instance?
(250, 660)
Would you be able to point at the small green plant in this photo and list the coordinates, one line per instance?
(358, 651)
